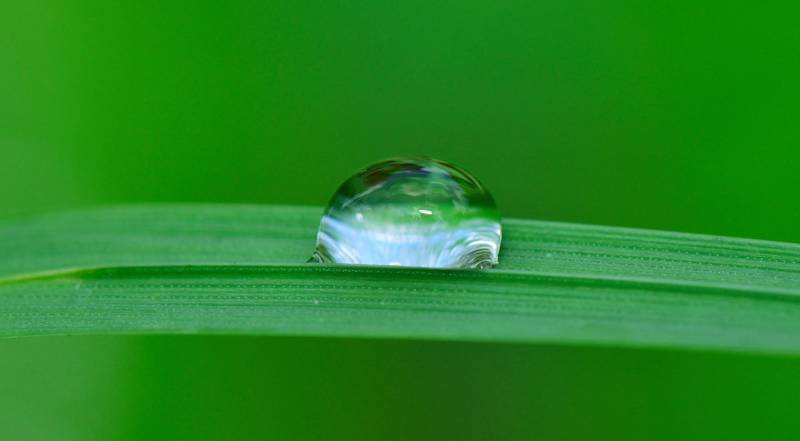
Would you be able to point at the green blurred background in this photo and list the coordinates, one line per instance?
(674, 115)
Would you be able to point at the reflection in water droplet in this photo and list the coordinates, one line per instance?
(416, 212)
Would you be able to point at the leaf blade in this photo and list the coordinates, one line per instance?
(236, 269)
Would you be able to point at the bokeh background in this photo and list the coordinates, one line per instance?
(675, 115)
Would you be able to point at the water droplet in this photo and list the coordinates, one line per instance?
(417, 212)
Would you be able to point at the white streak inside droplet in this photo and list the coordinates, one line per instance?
(420, 245)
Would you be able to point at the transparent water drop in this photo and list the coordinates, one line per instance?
(417, 212)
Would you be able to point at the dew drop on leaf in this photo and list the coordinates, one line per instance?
(417, 212)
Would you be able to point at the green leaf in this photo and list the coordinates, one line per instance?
(235, 269)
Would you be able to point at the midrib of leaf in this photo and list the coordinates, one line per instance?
(239, 269)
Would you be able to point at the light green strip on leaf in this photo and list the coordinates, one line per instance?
(238, 269)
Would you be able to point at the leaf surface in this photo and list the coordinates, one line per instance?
(238, 269)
